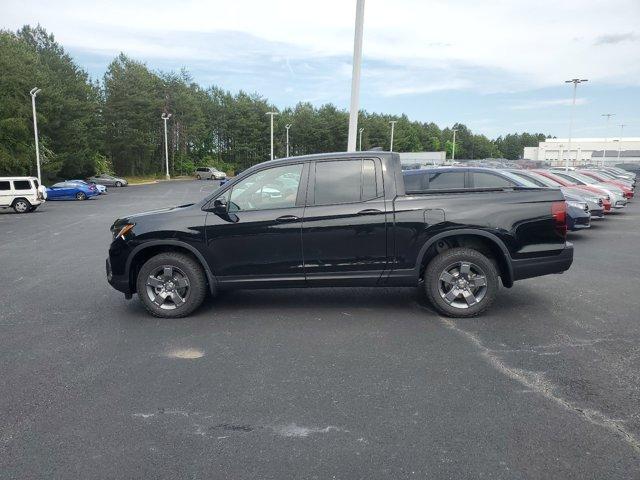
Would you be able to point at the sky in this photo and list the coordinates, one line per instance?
(497, 66)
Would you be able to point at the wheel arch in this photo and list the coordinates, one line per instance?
(144, 252)
(485, 242)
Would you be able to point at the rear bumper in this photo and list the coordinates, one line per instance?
(538, 266)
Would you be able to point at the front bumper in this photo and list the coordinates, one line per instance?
(538, 266)
(119, 282)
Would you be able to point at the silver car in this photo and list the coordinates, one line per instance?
(109, 180)
(209, 173)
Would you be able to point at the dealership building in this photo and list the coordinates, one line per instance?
(585, 150)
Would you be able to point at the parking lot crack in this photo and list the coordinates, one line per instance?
(536, 382)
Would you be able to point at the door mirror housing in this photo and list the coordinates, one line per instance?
(220, 206)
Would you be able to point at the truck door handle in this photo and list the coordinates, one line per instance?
(369, 211)
(287, 218)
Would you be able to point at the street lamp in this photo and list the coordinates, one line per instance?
(576, 82)
(360, 132)
(287, 126)
(393, 124)
(271, 114)
(33, 93)
(604, 150)
(355, 77)
(165, 117)
(453, 150)
(622, 125)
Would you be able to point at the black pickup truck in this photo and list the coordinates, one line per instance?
(340, 219)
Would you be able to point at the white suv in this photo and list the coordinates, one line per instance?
(209, 173)
(23, 194)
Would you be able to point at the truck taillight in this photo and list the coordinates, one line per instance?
(559, 213)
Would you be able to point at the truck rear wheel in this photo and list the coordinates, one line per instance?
(461, 282)
(171, 285)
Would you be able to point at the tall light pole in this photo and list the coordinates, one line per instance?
(355, 77)
(271, 114)
(576, 82)
(604, 150)
(453, 150)
(287, 126)
(360, 134)
(33, 93)
(393, 124)
(622, 125)
(165, 117)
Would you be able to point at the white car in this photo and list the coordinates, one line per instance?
(209, 173)
(23, 194)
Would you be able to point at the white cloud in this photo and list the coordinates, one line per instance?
(538, 104)
(526, 44)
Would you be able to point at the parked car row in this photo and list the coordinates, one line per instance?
(590, 194)
(25, 194)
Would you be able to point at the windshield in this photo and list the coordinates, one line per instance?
(525, 182)
(584, 178)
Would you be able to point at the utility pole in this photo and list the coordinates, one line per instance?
(33, 93)
(453, 150)
(622, 125)
(287, 126)
(271, 114)
(360, 134)
(393, 124)
(604, 150)
(576, 82)
(165, 117)
(355, 77)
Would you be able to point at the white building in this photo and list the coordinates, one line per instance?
(585, 150)
(422, 158)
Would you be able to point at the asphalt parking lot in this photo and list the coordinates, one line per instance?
(327, 383)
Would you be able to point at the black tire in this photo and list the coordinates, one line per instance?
(118, 184)
(462, 304)
(21, 205)
(198, 177)
(183, 266)
(81, 196)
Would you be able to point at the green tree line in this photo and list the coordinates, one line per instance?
(114, 124)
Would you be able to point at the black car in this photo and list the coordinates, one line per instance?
(341, 220)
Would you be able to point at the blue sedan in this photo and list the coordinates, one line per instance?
(70, 191)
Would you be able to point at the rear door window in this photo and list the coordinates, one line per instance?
(446, 180)
(346, 181)
(5, 185)
(22, 185)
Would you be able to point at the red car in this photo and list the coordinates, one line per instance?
(606, 202)
(628, 192)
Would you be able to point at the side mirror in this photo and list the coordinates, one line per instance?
(220, 206)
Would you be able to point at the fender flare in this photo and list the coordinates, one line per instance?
(176, 243)
(471, 231)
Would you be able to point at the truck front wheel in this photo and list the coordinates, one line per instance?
(461, 282)
(171, 285)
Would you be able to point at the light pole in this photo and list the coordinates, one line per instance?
(287, 126)
(165, 117)
(622, 125)
(33, 93)
(393, 124)
(360, 134)
(355, 77)
(453, 150)
(604, 150)
(271, 114)
(575, 82)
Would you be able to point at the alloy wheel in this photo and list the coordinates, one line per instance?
(168, 287)
(21, 206)
(462, 284)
